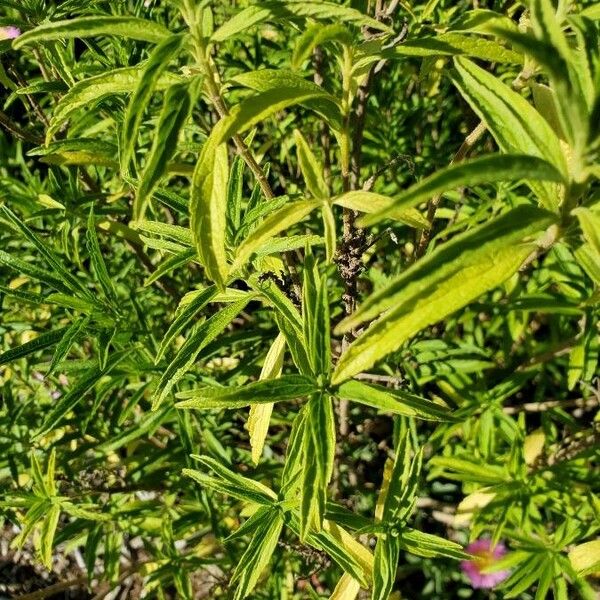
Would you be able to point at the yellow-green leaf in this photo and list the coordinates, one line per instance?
(260, 414)
(454, 275)
(209, 210)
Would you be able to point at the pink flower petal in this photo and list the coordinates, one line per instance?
(486, 555)
(9, 33)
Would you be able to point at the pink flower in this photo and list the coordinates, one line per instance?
(9, 33)
(485, 556)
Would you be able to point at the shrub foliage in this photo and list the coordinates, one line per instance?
(300, 297)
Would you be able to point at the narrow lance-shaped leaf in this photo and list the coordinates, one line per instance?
(44, 340)
(97, 87)
(263, 11)
(286, 387)
(234, 196)
(395, 401)
(347, 552)
(371, 202)
(47, 531)
(258, 553)
(55, 263)
(590, 225)
(486, 169)
(176, 109)
(329, 231)
(428, 545)
(434, 287)
(455, 44)
(260, 414)
(318, 452)
(236, 485)
(97, 259)
(274, 224)
(181, 259)
(153, 69)
(68, 339)
(84, 27)
(77, 151)
(78, 392)
(32, 270)
(347, 588)
(208, 210)
(312, 171)
(280, 88)
(188, 353)
(387, 553)
(514, 123)
(317, 35)
(187, 310)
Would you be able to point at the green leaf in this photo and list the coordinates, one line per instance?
(370, 202)
(70, 281)
(235, 187)
(482, 20)
(317, 9)
(97, 87)
(181, 259)
(47, 531)
(590, 225)
(259, 552)
(455, 44)
(589, 259)
(260, 414)
(200, 338)
(293, 465)
(181, 235)
(263, 11)
(68, 339)
(317, 35)
(242, 20)
(429, 546)
(315, 317)
(318, 452)
(271, 292)
(399, 504)
(514, 123)
(281, 88)
(347, 552)
(84, 27)
(275, 223)
(176, 109)
(33, 271)
(439, 284)
(395, 401)
(238, 486)
(79, 151)
(487, 169)
(78, 391)
(286, 387)
(292, 242)
(154, 67)
(97, 259)
(312, 170)
(387, 553)
(468, 470)
(189, 307)
(42, 341)
(22, 296)
(329, 232)
(208, 210)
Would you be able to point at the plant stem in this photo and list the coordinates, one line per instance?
(214, 93)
